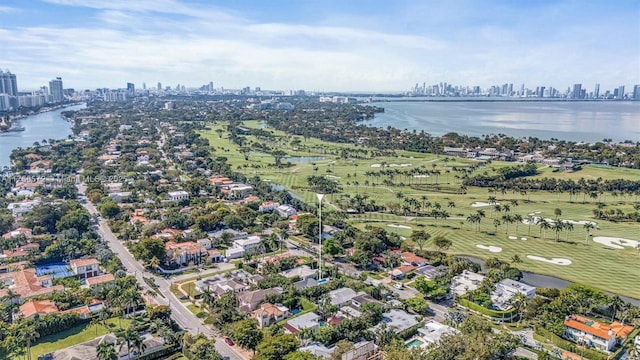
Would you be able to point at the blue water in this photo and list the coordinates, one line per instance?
(564, 120)
(47, 125)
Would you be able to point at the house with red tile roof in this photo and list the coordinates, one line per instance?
(100, 281)
(401, 271)
(32, 308)
(85, 268)
(413, 259)
(269, 314)
(26, 284)
(26, 232)
(185, 252)
(592, 333)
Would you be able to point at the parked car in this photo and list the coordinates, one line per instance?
(398, 286)
(229, 341)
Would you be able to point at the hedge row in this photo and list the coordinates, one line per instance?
(496, 314)
(568, 345)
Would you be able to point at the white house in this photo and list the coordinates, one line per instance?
(268, 206)
(249, 243)
(432, 331)
(506, 289)
(25, 206)
(285, 211)
(465, 282)
(241, 246)
(398, 320)
(303, 272)
(85, 268)
(178, 195)
(307, 321)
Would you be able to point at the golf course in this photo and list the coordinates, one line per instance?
(592, 251)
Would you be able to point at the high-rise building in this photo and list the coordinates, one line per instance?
(144, 86)
(55, 87)
(620, 92)
(159, 86)
(577, 91)
(596, 92)
(636, 92)
(8, 83)
(131, 89)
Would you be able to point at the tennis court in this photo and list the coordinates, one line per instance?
(56, 270)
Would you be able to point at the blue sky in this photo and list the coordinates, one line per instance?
(376, 45)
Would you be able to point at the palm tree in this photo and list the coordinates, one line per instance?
(588, 226)
(516, 259)
(530, 220)
(517, 218)
(544, 226)
(106, 351)
(557, 227)
(507, 219)
(519, 302)
(569, 227)
(615, 305)
(27, 334)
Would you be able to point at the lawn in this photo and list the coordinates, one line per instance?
(73, 336)
(593, 264)
(190, 288)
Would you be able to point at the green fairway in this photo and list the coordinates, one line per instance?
(74, 336)
(616, 270)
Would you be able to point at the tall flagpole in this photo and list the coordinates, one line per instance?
(320, 196)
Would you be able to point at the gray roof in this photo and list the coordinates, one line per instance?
(398, 320)
(304, 321)
(305, 284)
(342, 295)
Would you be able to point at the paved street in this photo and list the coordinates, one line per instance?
(180, 313)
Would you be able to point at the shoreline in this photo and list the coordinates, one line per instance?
(41, 111)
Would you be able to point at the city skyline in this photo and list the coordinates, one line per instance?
(329, 46)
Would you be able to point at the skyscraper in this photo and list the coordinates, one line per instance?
(131, 89)
(596, 92)
(55, 87)
(621, 92)
(577, 91)
(636, 92)
(8, 83)
(159, 86)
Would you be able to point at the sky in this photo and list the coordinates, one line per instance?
(321, 45)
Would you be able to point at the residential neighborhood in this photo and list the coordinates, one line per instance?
(174, 252)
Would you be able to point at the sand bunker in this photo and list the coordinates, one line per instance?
(421, 176)
(332, 177)
(376, 165)
(405, 165)
(481, 204)
(399, 226)
(523, 238)
(555, 261)
(493, 249)
(615, 242)
(513, 238)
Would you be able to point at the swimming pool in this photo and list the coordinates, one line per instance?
(414, 343)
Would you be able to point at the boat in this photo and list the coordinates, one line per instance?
(15, 128)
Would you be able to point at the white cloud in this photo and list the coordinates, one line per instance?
(174, 42)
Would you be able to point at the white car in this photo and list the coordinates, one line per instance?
(398, 285)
